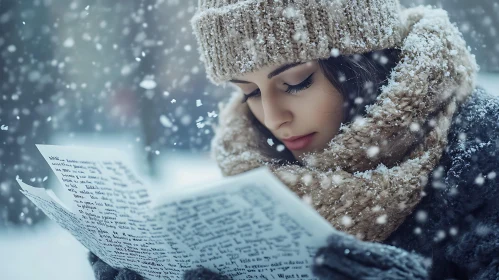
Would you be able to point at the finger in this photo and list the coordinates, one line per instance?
(203, 273)
(92, 258)
(127, 274)
(328, 265)
(329, 262)
(325, 273)
(103, 271)
(366, 253)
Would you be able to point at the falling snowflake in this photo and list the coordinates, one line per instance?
(212, 114)
(11, 48)
(383, 60)
(381, 219)
(199, 122)
(198, 103)
(414, 127)
(335, 52)
(186, 119)
(126, 70)
(319, 260)
(307, 199)
(337, 179)
(440, 236)
(346, 221)
(148, 84)
(479, 180)
(421, 216)
(69, 43)
(280, 148)
(358, 100)
(417, 230)
(4, 127)
(373, 151)
(165, 121)
(290, 12)
(307, 179)
(270, 142)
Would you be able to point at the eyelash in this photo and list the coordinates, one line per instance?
(291, 89)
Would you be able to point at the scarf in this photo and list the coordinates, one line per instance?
(364, 193)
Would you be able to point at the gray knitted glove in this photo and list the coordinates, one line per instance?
(203, 274)
(346, 257)
(103, 271)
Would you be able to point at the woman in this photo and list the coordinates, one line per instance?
(399, 147)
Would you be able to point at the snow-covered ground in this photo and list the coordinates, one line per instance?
(46, 251)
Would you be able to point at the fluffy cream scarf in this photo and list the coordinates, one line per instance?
(359, 183)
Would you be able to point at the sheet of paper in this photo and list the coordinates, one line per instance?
(249, 226)
(112, 202)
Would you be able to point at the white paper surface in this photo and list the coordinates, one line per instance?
(249, 226)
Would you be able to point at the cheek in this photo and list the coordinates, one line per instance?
(327, 107)
(257, 111)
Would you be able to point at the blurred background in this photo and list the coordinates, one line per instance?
(126, 75)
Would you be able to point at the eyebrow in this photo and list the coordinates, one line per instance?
(273, 73)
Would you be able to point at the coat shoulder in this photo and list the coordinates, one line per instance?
(462, 188)
(467, 236)
(471, 156)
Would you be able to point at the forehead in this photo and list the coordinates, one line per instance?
(268, 72)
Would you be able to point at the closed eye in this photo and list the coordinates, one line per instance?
(301, 86)
(292, 89)
(252, 94)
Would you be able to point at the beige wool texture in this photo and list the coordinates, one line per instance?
(239, 36)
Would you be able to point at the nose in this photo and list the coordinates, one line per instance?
(275, 110)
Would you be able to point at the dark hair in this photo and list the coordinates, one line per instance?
(358, 77)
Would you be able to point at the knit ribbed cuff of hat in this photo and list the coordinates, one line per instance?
(236, 37)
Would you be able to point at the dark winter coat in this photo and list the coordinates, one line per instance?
(456, 224)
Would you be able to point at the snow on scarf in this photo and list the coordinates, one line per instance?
(360, 192)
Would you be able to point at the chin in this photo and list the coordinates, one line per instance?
(299, 154)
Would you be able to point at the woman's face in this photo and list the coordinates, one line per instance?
(294, 100)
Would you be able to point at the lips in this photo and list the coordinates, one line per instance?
(298, 142)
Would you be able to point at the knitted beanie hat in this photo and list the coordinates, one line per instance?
(240, 36)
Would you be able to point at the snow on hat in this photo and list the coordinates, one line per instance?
(240, 36)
